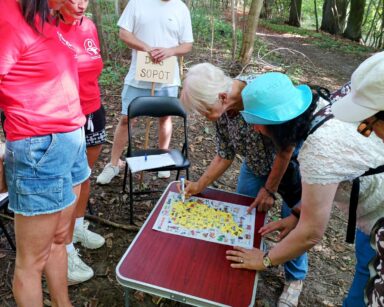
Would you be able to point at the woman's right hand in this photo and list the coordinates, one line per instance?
(191, 188)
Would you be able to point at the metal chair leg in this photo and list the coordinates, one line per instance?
(131, 197)
(10, 241)
(125, 176)
(90, 209)
(187, 173)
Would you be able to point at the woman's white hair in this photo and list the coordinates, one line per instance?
(202, 85)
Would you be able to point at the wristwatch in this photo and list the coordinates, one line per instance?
(267, 261)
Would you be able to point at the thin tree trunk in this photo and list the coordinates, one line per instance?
(295, 13)
(334, 14)
(355, 20)
(373, 23)
(250, 31)
(96, 13)
(316, 16)
(234, 37)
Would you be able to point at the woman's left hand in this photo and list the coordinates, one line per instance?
(251, 259)
(264, 201)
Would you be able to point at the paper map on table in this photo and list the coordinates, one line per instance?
(208, 220)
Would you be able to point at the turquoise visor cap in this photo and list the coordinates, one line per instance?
(272, 99)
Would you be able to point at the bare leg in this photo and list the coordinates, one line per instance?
(119, 140)
(93, 153)
(34, 252)
(165, 132)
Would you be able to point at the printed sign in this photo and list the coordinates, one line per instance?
(162, 72)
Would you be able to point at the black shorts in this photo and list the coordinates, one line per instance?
(95, 128)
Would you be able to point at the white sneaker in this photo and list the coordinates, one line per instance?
(86, 237)
(291, 293)
(164, 174)
(108, 173)
(78, 271)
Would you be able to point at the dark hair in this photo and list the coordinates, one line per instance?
(294, 130)
(31, 8)
(380, 115)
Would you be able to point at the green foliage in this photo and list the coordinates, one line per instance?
(113, 74)
(202, 29)
(320, 39)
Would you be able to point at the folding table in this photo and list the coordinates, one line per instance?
(184, 269)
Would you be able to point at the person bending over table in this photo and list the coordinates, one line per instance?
(341, 149)
(207, 90)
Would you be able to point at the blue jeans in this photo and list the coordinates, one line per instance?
(364, 254)
(250, 184)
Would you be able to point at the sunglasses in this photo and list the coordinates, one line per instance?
(366, 128)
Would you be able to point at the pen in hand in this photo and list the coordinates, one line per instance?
(182, 183)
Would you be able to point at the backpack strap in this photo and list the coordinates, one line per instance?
(321, 117)
(354, 201)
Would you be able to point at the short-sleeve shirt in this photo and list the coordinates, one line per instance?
(84, 39)
(39, 90)
(235, 136)
(337, 153)
(158, 23)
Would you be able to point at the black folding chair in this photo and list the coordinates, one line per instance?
(4, 205)
(155, 106)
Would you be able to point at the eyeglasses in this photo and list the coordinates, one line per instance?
(366, 128)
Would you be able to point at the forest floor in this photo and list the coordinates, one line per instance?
(331, 263)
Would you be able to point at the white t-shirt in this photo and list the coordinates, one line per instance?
(337, 153)
(158, 23)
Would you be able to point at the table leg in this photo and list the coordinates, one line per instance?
(126, 296)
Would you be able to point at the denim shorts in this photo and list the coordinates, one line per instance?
(41, 172)
(130, 92)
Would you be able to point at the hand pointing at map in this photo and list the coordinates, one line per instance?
(191, 188)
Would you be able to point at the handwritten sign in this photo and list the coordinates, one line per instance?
(162, 72)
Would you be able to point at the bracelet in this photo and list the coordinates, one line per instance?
(295, 213)
(270, 193)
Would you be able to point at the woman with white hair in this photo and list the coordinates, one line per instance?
(208, 91)
(343, 148)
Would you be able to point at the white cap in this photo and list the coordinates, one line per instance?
(367, 92)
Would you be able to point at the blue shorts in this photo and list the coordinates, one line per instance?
(42, 171)
(130, 92)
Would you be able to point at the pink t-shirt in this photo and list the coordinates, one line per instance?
(84, 39)
(39, 89)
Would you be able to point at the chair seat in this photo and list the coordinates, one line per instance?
(180, 161)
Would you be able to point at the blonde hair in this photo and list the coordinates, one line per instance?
(202, 85)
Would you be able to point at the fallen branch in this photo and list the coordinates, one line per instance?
(7, 217)
(101, 220)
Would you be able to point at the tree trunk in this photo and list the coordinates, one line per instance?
(188, 3)
(295, 13)
(122, 5)
(334, 14)
(234, 37)
(250, 31)
(266, 11)
(316, 16)
(96, 13)
(355, 20)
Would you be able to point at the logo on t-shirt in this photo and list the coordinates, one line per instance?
(91, 48)
(66, 43)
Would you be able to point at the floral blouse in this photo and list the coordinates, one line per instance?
(235, 136)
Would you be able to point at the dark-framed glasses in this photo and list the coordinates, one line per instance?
(365, 128)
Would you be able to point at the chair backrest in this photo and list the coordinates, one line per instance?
(156, 106)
